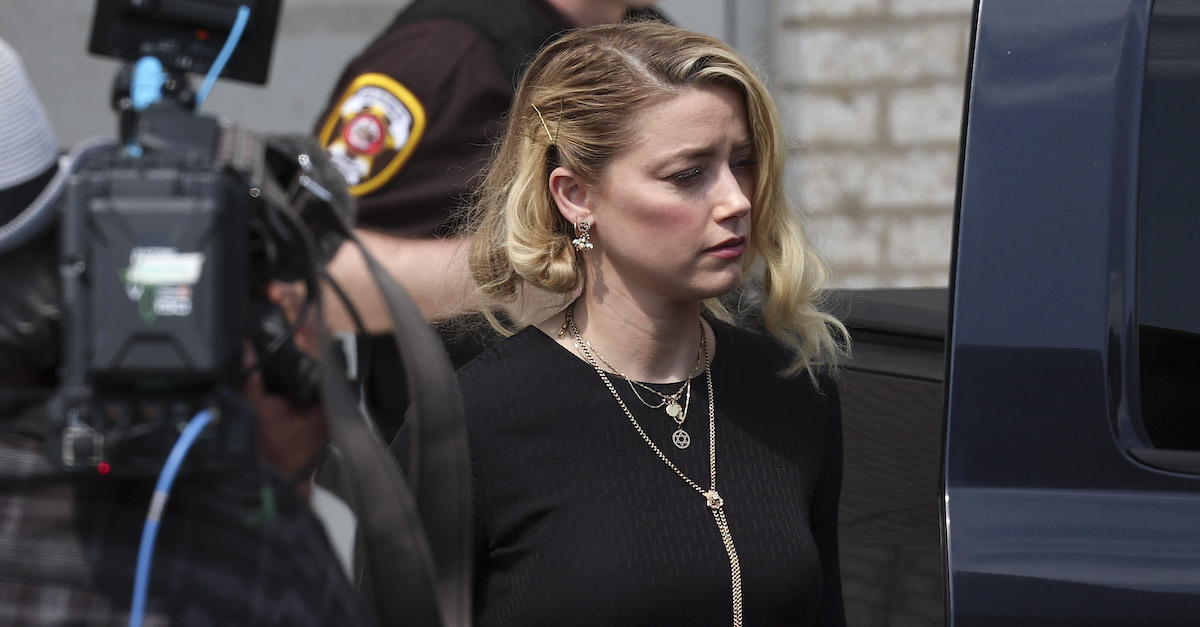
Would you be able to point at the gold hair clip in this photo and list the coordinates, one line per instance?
(548, 134)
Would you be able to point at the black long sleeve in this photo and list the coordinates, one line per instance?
(580, 523)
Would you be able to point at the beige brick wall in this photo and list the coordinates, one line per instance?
(871, 91)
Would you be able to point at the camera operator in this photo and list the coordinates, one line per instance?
(239, 547)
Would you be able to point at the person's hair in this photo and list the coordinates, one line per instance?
(575, 107)
(30, 306)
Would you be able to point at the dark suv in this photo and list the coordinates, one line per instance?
(1025, 449)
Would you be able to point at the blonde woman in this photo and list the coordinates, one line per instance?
(639, 459)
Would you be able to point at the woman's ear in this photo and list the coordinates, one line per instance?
(570, 194)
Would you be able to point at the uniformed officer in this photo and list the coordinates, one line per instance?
(410, 125)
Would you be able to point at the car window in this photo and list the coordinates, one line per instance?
(1168, 277)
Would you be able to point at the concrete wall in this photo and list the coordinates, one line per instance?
(871, 91)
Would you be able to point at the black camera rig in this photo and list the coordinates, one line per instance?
(167, 239)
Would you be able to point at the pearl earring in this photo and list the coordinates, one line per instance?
(584, 241)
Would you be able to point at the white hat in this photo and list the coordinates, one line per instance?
(28, 149)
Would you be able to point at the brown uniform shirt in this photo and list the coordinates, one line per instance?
(413, 119)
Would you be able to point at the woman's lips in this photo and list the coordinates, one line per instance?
(729, 249)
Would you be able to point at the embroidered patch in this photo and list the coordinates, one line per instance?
(373, 131)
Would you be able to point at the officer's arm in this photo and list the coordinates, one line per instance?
(432, 270)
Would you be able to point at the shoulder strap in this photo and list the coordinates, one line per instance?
(439, 461)
(417, 533)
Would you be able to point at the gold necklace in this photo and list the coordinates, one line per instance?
(669, 401)
(680, 438)
(712, 498)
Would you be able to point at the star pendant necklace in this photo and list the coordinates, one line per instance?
(668, 402)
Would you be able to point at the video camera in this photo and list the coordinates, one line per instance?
(167, 239)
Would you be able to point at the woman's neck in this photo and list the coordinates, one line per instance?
(653, 345)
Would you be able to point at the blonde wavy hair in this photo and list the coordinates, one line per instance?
(575, 108)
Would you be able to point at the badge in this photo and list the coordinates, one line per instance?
(373, 131)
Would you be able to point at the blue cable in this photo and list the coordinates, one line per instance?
(235, 34)
(162, 491)
(145, 88)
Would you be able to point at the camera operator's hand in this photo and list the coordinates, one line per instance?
(290, 434)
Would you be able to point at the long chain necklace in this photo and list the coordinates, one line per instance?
(712, 498)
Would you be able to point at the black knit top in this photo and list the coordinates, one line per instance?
(580, 523)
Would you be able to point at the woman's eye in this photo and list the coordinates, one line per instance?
(745, 163)
(687, 175)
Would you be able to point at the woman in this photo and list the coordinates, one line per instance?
(638, 459)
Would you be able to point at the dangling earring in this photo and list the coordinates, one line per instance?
(584, 241)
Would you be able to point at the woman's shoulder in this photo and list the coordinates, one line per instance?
(520, 381)
(527, 346)
(749, 346)
(529, 361)
(755, 355)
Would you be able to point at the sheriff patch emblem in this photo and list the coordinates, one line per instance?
(373, 131)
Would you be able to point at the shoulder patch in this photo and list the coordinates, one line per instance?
(373, 131)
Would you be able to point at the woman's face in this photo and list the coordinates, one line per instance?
(672, 215)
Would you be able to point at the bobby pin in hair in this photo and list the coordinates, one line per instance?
(548, 134)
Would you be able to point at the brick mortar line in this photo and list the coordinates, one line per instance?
(894, 214)
(792, 88)
(887, 149)
(876, 22)
(782, 87)
(884, 148)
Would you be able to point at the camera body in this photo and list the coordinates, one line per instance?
(165, 244)
(155, 288)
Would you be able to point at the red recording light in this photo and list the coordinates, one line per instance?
(103, 468)
(202, 35)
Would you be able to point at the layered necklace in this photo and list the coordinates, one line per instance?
(668, 402)
(712, 498)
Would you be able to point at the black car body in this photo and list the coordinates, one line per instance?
(1068, 406)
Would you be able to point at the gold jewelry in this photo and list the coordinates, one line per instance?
(712, 499)
(680, 438)
(553, 137)
(549, 135)
(671, 401)
(584, 241)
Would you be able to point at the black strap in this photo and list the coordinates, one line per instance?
(439, 462)
(15, 199)
(416, 534)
